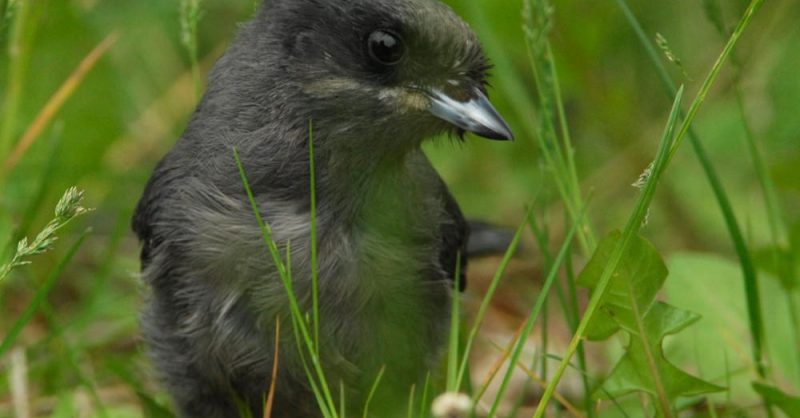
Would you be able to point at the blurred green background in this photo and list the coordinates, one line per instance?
(130, 108)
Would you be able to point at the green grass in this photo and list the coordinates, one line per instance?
(587, 87)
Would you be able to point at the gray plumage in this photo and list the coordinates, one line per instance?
(388, 230)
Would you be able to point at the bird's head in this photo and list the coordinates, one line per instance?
(398, 69)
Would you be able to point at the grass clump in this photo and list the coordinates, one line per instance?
(579, 93)
(67, 209)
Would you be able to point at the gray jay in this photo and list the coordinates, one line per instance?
(376, 78)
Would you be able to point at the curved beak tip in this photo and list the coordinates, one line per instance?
(504, 134)
(476, 115)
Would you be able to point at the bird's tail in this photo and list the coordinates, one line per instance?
(486, 239)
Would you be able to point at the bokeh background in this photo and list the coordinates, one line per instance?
(81, 347)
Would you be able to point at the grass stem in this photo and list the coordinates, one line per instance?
(537, 309)
(190, 17)
(273, 384)
(455, 327)
(19, 51)
(41, 295)
(372, 391)
(314, 264)
(745, 258)
(56, 102)
(634, 224)
(556, 147)
(484, 306)
(305, 339)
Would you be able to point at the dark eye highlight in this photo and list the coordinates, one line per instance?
(385, 47)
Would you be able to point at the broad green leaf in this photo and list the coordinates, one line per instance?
(781, 263)
(641, 273)
(790, 405)
(634, 372)
(710, 284)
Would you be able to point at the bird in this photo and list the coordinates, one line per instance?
(365, 83)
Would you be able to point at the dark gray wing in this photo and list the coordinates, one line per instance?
(455, 235)
(148, 210)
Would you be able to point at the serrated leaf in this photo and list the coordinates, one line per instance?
(790, 405)
(634, 373)
(640, 272)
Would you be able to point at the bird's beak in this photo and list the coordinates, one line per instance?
(475, 114)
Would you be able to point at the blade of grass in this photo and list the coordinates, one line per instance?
(484, 306)
(342, 402)
(190, 17)
(298, 318)
(67, 208)
(572, 313)
(574, 321)
(505, 352)
(314, 265)
(515, 90)
(298, 325)
(569, 305)
(745, 258)
(775, 215)
(634, 224)
(583, 372)
(372, 391)
(537, 309)
(455, 326)
(423, 405)
(754, 6)
(40, 295)
(241, 406)
(19, 51)
(641, 209)
(556, 147)
(315, 388)
(274, 383)
(55, 103)
(411, 401)
(572, 409)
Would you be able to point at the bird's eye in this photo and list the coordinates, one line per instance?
(385, 47)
